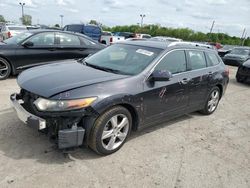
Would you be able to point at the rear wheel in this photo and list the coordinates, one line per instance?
(5, 69)
(110, 130)
(212, 101)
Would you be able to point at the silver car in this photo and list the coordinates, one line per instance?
(8, 31)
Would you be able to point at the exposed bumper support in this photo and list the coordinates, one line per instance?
(66, 138)
(26, 117)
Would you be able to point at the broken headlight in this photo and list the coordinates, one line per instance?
(63, 105)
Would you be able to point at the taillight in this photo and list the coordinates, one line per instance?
(111, 39)
(9, 34)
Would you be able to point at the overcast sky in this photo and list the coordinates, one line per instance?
(231, 16)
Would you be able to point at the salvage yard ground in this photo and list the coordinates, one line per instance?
(191, 151)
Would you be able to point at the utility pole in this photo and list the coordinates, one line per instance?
(142, 17)
(61, 20)
(242, 37)
(22, 5)
(211, 29)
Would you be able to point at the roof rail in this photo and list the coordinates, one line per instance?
(191, 44)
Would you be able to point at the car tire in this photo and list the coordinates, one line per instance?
(212, 101)
(5, 69)
(110, 130)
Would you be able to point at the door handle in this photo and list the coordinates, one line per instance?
(210, 73)
(184, 80)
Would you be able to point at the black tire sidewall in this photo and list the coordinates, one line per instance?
(100, 126)
(9, 68)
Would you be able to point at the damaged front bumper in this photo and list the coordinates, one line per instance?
(69, 137)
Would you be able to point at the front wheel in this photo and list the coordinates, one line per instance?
(212, 101)
(110, 130)
(5, 69)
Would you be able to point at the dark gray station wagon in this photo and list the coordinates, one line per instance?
(98, 100)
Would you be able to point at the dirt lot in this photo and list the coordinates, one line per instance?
(191, 151)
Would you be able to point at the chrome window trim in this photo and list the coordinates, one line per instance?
(187, 71)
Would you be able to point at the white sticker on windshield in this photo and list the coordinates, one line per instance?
(145, 52)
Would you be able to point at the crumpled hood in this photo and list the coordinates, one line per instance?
(55, 78)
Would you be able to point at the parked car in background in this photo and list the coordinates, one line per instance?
(8, 31)
(243, 73)
(36, 47)
(92, 31)
(126, 35)
(215, 44)
(166, 39)
(142, 36)
(197, 44)
(237, 56)
(127, 86)
(108, 38)
(225, 50)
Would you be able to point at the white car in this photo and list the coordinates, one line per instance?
(143, 36)
(8, 31)
(108, 38)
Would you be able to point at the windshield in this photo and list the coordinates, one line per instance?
(240, 51)
(18, 38)
(124, 59)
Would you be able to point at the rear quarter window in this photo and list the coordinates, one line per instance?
(212, 59)
(196, 59)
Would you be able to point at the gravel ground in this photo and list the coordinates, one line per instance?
(191, 151)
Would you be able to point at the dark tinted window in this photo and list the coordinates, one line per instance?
(68, 40)
(196, 59)
(92, 29)
(212, 59)
(75, 28)
(175, 62)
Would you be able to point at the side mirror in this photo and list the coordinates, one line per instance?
(161, 75)
(28, 44)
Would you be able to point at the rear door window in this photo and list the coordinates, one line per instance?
(175, 62)
(212, 59)
(196, 59)
(68, 39)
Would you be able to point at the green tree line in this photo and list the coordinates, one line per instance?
(182, 33)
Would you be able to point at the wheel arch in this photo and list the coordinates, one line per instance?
(221, 89)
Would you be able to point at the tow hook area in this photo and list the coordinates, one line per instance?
(70, 137)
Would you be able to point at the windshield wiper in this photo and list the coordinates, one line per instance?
(84, 62)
